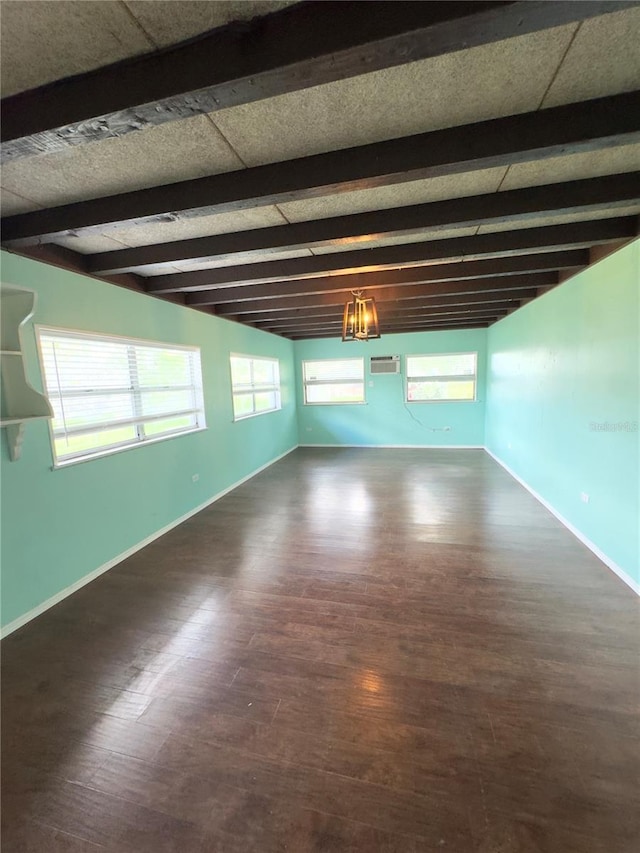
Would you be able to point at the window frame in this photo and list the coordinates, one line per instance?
(362, 402)
(448, 378)
(255, 388)
(140, 439)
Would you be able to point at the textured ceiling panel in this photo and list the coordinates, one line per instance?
(89, 244)
(589, 165)
(160, 155)
(433, 234)
(604, 58)
(560, 219)
(170, 21)
(46, 40)
(246, 257)
(11, 204)
(414, 98)
(200, 226)
(397, 195)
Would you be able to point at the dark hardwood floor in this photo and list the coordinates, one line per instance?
(357, 650)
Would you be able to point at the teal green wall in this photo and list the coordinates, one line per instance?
(58, 526)
(386, 419)
(558, 365)
(565, 361)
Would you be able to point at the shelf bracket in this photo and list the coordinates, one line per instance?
(15, 437)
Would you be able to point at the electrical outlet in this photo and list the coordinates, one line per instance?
(584, 497)
(371, 383)
(309, 429)
(195, 478)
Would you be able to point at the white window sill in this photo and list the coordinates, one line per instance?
(100, 454)
(256, 414)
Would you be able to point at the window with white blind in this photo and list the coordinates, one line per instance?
(436, 378)
(333, 381)
(255, 385)
(108, 393)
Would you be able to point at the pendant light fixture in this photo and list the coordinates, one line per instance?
(360, 319)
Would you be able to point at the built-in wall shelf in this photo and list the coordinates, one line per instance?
(19, 401)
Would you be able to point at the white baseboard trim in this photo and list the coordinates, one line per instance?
(83, 581)
(615, 568)
(404, 446)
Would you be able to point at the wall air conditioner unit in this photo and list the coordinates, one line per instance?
(384, 364)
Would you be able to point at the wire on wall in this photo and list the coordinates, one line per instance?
(412, 416)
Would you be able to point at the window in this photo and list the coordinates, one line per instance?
(432, 378)
(256, 385)
(108, 393)
(334, 381)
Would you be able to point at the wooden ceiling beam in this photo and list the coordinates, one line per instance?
(521, 204)
(387, 321)
(390, 327)
(485, 268)
(571, 129)
(60, 256)
(400, 292)
(480, 324)
(506, 296)
(392, 314)
(498, 244)
(391, 310)
(573, 197)
(305, 45)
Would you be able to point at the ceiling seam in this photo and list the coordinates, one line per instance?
(286, 218)
(560, 64)
(544, 95)
(502, 179)
(115, 240)
(221, 135)
(137, 23)
(506, 172)
(24, 197)
(237, 154)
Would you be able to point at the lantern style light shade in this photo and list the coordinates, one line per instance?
(360, 319)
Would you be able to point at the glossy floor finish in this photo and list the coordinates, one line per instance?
(357, 650)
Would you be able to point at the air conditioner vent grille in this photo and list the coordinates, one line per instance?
(380, 364)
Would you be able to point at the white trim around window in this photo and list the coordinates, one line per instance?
(111, 393)
(450, 377)
(255, 385)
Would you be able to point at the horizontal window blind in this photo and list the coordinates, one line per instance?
(333, 381)
(109, 392)
(433, 378)
(255, 385)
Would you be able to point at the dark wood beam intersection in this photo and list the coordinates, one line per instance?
(305, 45)
(60, 256)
